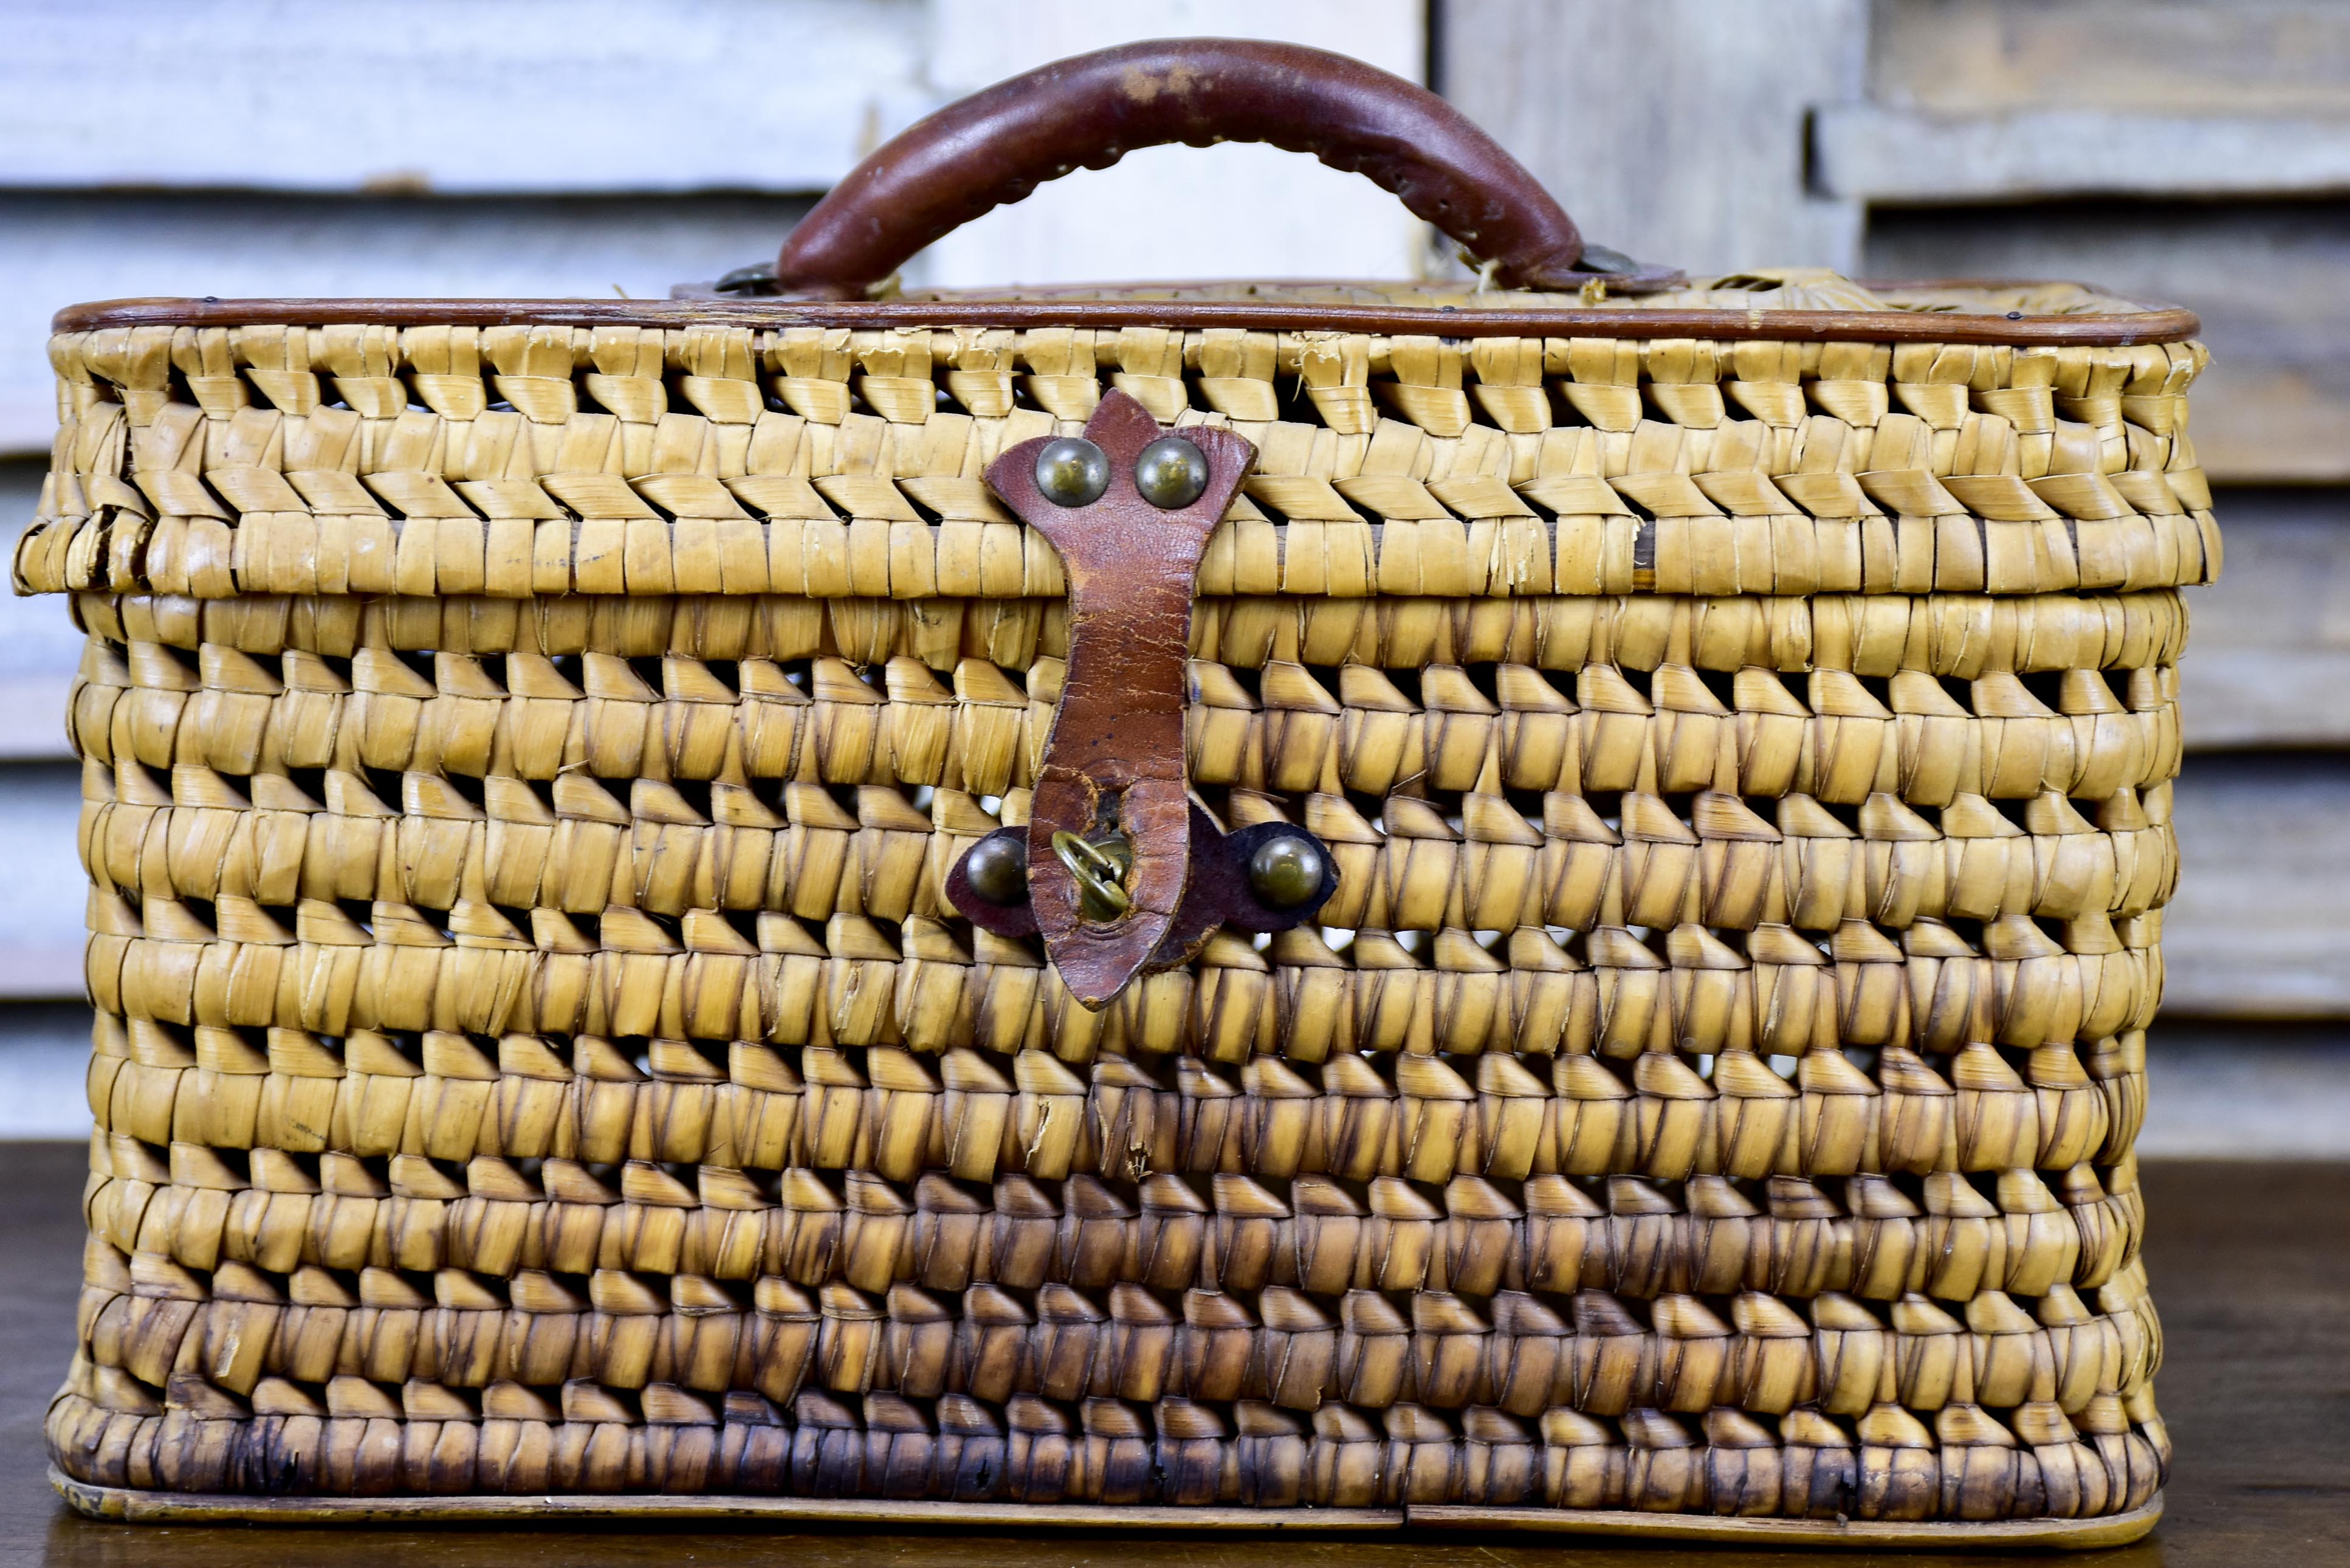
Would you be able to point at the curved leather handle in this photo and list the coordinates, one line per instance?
(998, 145)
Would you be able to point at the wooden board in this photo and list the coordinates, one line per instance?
(41, 931)
(2260, 927)
(2266, 697)
(2014, 101)
(2222, 1086)
(56, 249)
(45, 1061)
(1867, 152)
(32, 717)
(2268, 661)
(449, 97)
(1672, 129)
(2172, 57)
(118, 1503)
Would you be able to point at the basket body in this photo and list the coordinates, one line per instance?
(535, 1055)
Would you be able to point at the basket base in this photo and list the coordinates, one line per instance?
(124, 1504)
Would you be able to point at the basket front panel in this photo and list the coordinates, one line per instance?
(534, 1053)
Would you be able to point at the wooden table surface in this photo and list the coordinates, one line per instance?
(2250, 1265)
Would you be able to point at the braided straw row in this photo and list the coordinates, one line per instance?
(360, 1441)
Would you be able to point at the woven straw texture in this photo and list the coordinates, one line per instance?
(534, 1054)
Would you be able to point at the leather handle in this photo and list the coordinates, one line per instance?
(999, 144)
(1115, 756)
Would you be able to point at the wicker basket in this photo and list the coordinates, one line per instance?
(1607, 993)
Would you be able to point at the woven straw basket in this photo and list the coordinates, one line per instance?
(1590, 975)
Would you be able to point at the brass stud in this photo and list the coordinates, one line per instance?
(1287, 871)
(1171, 474)
(997, 869)
(1071, 472)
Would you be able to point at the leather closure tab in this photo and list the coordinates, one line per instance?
(1114, 761)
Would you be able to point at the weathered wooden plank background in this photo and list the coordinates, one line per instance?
(2187, 151)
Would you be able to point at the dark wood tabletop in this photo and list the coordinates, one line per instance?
(2250, 1264)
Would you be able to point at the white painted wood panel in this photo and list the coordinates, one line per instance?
(2269, 661)
(2233, 1091)
(1866, 153)
(1179, 211)
(41, 933)
(45, 1067)
(2261, 927)
(59, 249)
(39, 646)
(2266, 697)
(32, 717)
(451, 96)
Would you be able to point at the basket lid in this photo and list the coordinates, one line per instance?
(1794, 306)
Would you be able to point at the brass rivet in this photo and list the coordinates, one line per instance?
(1071, 472)
(1287, 871)
(997, 869)
(1171, 474)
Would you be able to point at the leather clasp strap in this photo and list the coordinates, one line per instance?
(1113, 768)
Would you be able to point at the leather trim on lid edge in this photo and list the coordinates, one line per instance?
(2166, 324)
